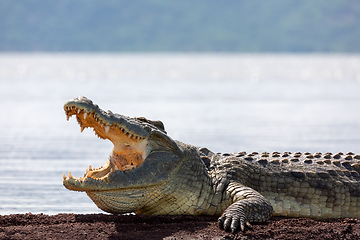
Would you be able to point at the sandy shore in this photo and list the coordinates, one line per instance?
(102, 226)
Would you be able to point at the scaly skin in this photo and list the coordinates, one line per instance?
(150, 173)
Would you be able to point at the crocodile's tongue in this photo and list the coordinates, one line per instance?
(128, 153)
(118, 161)
(126, 160)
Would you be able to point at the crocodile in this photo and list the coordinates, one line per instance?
(150, 173)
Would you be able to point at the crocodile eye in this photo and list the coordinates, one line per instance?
(157, 124)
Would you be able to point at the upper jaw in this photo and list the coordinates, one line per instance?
(90, 115)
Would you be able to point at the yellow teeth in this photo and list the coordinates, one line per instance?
(71, 177)
(88, 173)
(70, 111)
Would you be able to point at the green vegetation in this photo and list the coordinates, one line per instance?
(196, 25)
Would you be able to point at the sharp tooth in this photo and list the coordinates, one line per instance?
(64, 176)
(67, 117)
(70, 176)
(129, 135)
(85, 115)
(79, 110)
(82, 128)
(107, 128)
(116, 167)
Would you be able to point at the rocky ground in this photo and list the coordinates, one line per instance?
(102, 226)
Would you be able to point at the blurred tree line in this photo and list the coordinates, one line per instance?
(180, 26)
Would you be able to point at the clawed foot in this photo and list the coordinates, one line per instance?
(233, 223)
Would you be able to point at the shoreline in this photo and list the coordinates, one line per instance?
(104, 226)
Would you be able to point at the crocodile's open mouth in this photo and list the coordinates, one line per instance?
(130, 149)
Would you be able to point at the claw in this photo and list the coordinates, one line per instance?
(242, 227)
(233, 223)
(248, 224)
(221, 222)
(227, 223)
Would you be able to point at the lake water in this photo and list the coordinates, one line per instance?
(228, 103)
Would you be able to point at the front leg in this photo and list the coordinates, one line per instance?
(248, 206)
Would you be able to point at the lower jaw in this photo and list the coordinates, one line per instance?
(117, 202)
